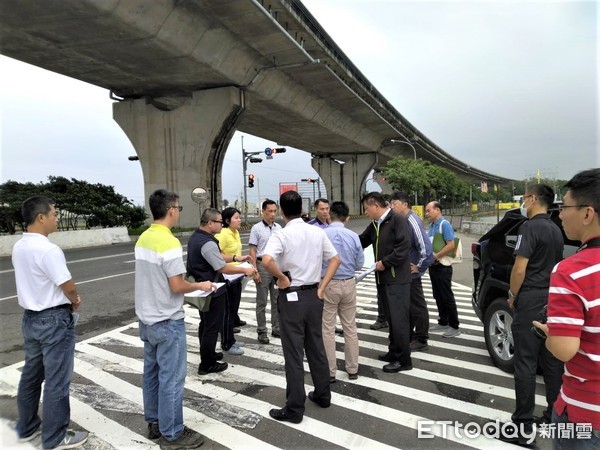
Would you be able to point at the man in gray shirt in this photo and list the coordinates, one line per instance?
(205, 263)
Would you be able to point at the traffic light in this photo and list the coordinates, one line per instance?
(251, 180)
(272, 151)
(310, 180)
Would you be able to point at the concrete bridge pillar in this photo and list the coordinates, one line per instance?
(181, 142)
(345, 177)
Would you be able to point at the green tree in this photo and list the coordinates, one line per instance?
(76, 200)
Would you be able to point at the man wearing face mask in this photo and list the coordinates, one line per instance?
(539, 248)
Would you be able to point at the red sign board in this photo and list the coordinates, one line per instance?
(284, 187)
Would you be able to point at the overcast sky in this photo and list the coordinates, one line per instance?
(507, 87)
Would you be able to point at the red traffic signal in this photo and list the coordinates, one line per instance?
(278, 150)
(251, 180)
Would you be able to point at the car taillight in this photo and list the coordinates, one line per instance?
(475, 248)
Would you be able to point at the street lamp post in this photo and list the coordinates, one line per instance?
(245, 157)
(398, 141)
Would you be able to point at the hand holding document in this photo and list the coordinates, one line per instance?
(237, 275)
(359, 277)
(200, 293)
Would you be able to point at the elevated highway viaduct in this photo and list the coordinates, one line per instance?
(186, 74)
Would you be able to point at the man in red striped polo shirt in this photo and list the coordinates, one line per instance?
(573, 327)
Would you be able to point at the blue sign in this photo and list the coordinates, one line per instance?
(268, 151)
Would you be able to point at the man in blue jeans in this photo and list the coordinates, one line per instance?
(159, 289)
(47, 292)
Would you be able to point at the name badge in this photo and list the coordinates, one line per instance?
(292, 296)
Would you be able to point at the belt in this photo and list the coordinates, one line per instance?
(304, 287)
(259, 258)
(343, 279)
(62, 306)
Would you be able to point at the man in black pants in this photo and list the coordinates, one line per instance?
(539, 248)
(390, 236)
(204, 263)
(421, 257)
(299, 250)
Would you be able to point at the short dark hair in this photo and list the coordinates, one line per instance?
(321, 200)
(543, 192)
(160, 201)
(227, 214)
(35, 205)
(291, 204)
(401, 197)
(268, 202)
(373, 198)
(585, 188)
(209, 214)
(339, 211)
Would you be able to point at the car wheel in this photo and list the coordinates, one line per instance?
(497, 328)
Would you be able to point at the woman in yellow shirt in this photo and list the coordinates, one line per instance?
(230, 245)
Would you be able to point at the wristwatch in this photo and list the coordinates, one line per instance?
(234, 260)
(511, 295)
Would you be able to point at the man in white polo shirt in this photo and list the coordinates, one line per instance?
(48, 294)
(295, 255)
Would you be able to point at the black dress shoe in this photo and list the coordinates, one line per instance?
(241, 323)
(216, 367)
(321, 403)
(279, 414)
(276, 333)
(332, 380)
(386, 357)
(236, 330)
(153, 431)
(218, 356)
(353, 376)
(339, 331)
(396, 367)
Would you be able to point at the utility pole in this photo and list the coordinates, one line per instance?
(244, 161)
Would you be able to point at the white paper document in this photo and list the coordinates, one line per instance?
(362, 275)
(237, 275)
(200, 293)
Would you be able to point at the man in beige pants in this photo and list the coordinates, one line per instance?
(340, 294)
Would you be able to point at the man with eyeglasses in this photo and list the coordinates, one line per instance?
(159, 289)
(539, 247)
(573, 327)
(205, 262)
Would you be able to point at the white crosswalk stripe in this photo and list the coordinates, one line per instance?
(454, 380)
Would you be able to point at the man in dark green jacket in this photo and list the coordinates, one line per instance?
(390, 237)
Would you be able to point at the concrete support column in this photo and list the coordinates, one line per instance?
(181, 142)
(345, 180)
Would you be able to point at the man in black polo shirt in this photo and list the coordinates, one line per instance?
(539, 248)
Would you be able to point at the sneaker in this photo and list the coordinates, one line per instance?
(32, 436)
(153, 431)
(72, 439)
(188, 439)
(438, 328)
(234, 350)
(451, 332)
(263, 338)
(378, 325)
(418, 346)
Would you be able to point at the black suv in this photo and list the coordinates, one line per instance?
(492, 263)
